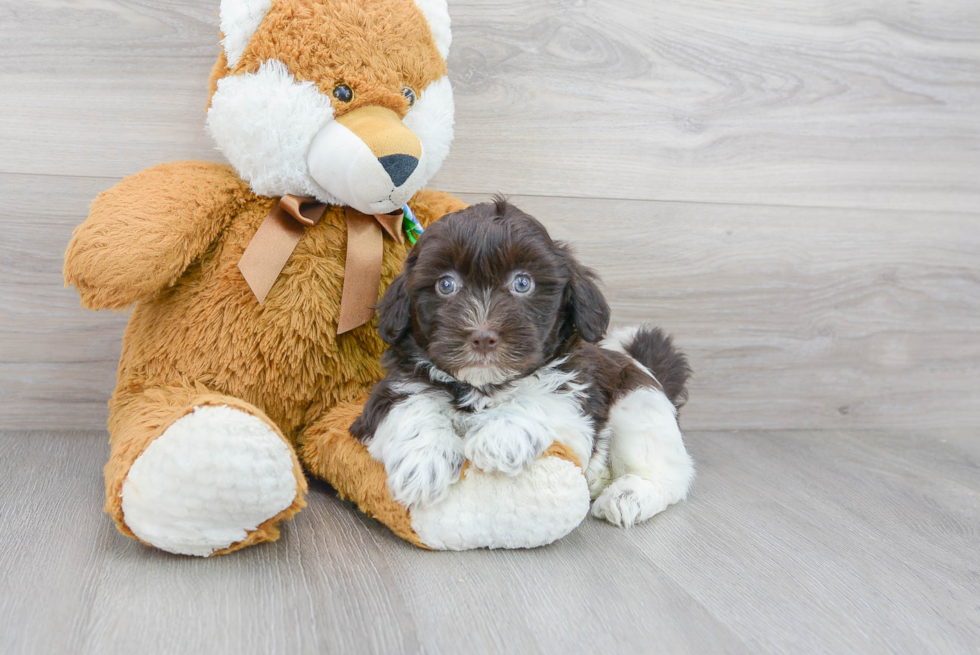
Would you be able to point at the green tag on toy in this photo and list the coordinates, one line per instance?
(413, 229)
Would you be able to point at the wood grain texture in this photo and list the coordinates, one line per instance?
(803, 542)
(802, 318)
(810, 318)
(794, 316)
(858, 104)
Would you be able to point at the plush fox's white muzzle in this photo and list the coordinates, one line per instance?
(368, 159)
(282, 136)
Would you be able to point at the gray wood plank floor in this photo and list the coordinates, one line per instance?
(792, 542)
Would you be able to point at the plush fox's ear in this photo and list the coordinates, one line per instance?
(239, 20)
(437, 14)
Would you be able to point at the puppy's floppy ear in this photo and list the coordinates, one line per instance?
(395, 310)
(586, 306)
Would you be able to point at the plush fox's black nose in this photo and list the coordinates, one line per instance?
(484, 341)
(399, 167)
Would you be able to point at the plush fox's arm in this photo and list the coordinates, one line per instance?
(143, 233)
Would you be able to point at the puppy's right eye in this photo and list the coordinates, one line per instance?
(446, 286)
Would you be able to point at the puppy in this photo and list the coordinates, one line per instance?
(493, 330)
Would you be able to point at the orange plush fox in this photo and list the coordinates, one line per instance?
(333, 114)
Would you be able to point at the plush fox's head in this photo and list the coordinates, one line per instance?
(346, 101)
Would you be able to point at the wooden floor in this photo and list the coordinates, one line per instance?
(792, 542)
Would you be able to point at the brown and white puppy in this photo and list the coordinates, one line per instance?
(493, 329)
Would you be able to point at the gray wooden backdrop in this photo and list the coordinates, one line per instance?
(791, 187)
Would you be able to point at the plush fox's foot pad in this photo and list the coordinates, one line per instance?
(214, 477)
(482, 510)
(543, 503)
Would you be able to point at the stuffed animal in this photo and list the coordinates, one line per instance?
(252, 344)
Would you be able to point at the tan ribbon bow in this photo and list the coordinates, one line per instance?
(283, 227)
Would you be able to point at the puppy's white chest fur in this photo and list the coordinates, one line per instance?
(425, 437)
(541, 408)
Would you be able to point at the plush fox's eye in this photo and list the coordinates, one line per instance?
(343, 93)
(409, 93)
(522, 283)
(446, 286)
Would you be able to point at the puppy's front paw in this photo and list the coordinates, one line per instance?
(423, 475)
(629, 500)
(505, 446)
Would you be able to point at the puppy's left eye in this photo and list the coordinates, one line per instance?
(446, 286)
(522, 283)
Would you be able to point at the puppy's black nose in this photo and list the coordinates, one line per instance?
(399, 167)
(484, 341)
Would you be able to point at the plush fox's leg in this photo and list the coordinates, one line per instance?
(198, 473)
(541, 504)
(330, 452)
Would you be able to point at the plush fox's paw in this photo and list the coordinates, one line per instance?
(629, 500)
(505, 446)
(488, 510)
(212, 477)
